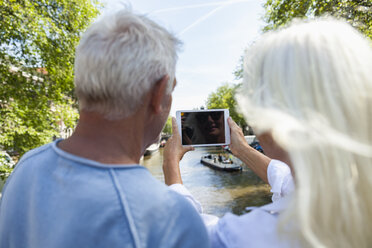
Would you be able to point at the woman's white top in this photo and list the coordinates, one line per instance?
(258, 228)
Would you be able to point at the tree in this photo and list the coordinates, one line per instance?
(38, 40)
(224, 98)
(356, 12)
(168, 126)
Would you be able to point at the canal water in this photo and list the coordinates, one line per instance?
(218, 191)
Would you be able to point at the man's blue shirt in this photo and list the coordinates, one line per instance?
(56, 199)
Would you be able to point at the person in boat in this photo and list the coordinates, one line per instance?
(306, 92)
(89, 189)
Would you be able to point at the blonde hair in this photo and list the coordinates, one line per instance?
(310, 85)
(119, 59)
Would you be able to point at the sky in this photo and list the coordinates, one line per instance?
(214, 35)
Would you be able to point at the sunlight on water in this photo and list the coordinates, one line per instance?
(218, 191)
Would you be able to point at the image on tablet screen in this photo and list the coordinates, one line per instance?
(203, 127)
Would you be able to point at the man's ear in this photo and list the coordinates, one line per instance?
(159, 92)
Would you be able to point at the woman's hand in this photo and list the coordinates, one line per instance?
(237, 140)
(173, 153)
(255, 160)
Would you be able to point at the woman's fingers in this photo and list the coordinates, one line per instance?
(174, 127)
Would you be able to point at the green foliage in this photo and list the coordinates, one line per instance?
(38, 40)
(357, 12)
(168, 126)
(224, 98)
(238, 72)
(6, 165)
(5, 173)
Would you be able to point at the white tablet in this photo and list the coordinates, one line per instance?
(204, 127)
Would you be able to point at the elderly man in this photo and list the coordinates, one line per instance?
(89, 190)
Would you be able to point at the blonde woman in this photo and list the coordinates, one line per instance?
(307, 92)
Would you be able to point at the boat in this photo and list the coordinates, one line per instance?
(253, 142)
(152, 149)
(219, 162)
(250, 139)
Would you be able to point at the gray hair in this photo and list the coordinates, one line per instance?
(119, 59)
(310, 86)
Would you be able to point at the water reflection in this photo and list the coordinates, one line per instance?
(218, 191)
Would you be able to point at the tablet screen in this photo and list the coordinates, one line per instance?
(203, 127)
